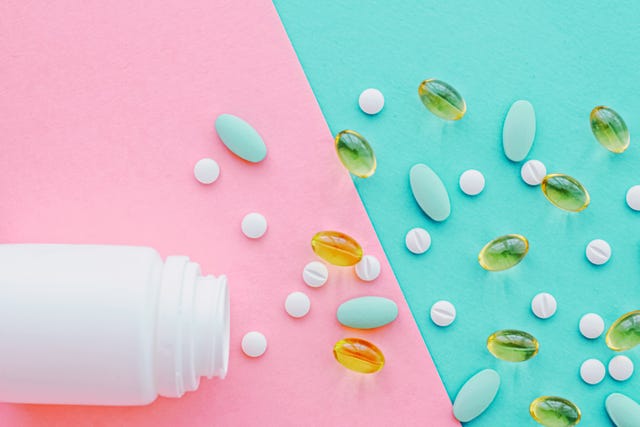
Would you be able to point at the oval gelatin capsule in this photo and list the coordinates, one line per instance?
(442, 99)
(336, 248)
(358, 355)
(565, 192)
(355, 153)
(552, 411)
(503, 252)
(624, 334)
(609, 129)
(512, 345)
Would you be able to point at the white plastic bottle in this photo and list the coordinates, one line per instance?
(107, 325)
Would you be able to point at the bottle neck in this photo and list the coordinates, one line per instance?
(192, 331)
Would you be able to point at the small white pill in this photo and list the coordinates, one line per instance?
(418, 240)
(544, 305)
(472, 182)
(592, 371)
(620, 368)
(254, 225)
(315, 274)
(371, 101)
(206, 171)
(533, 171)
(443, 313)
(254, 344)
(633, 197)
(591, 326)
(598, 252)
(297, 304)
(368, 268)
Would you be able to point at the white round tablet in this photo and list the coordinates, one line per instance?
(254, 225)
(297, 304)
(368, 268)
(543, 305)
(443, 313)
(206, 171)
(533, 171)
(472, 182)
(418, 240)
(591, 326)
(254, 344)
(620, 368)
(592, 371)
(371, 101)
(315, 274)
(598, 252)
(633, 197)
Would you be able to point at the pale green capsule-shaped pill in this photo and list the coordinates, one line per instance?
(429, 192)
(623, 411)
(367, 312)
(512, 345)
(355, 153)
(565, 192)
(476, 395)
(503, 252)
(552, 411)
(442, 99)
(609, 129)
(519, 130)
(624, 333)
(241, 138)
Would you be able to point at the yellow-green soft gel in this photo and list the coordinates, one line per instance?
(512, 345)
(355, 153)
(609, 129)
(442, 99)
(503, 252)
(551, 411)
(565, 192)
(624, 333)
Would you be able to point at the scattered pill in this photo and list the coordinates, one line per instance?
(442, 99)
(543, 305)
(476, 395)
(355, 153)
(503, 252)
(254, 225)
(241, 138)
(623, 411)
(429, 192)
(367, 312)
(519, 130)
(620, 368)
(633, 197)
(297, 304)
(624, 333)
(609, 129)
(591, 326)
(472, 182)
(565, 192)
(592, 371)
(371, 101)
(206, 171)
(368, 269)
(598, 252)
(443, 313)
(315, 274)
(512, 345)
(254, 344)
(336, 248)
(418, 240)
(533, 172)
(358, 355)
(554, 411)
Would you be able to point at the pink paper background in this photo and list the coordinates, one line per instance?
(104, 109)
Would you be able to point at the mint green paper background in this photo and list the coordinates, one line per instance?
(564, 57)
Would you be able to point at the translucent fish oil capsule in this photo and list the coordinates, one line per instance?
(609, 129)
(355, 153)
(624, 334)
(503, 252)
(512, 345)
(358, 355)
(551, 411)
(565, 192)
(336, 248)
(442, 99)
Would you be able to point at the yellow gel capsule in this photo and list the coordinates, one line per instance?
(512, 345)
(355, 153)
(442, 100)
(624, 334)
(336, 248)
(358, 355)
(565, 192)
(503, 252)
(552, 411)
(609, 129)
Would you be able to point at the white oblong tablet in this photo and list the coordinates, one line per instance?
(418, 240)
(368, 269)
(543, 305)
(254, 225)
(315, 274)
(598, 252)
(254, 344)
(532, 172)
(633, 197)
(443, 313)
(472, 182)
(620, 368)
(206, 171)
(519, 130)
(591, 326)
(592, 371)
(371, 101)
(297, 304)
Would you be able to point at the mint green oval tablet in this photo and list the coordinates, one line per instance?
(429, 192)
(519, 130)
(367, 312)
(476, 395)
(241, 138)
(623, 411)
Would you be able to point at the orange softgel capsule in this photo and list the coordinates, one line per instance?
(358, 355)
(336, 248)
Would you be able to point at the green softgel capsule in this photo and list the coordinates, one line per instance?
(551, 411)
(565, 192)
(442, 99)
(512, 345)
(355, 153)
(503, 252)
(624, 334)
(609, 129)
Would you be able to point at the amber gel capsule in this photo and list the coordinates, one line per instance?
(336, 248)
(503, 252)
(552, 411)
(512, 345)
(624, 334)
(609, 129)
(565, 192)
(442, 99)
(358, 355)
(355, 153)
